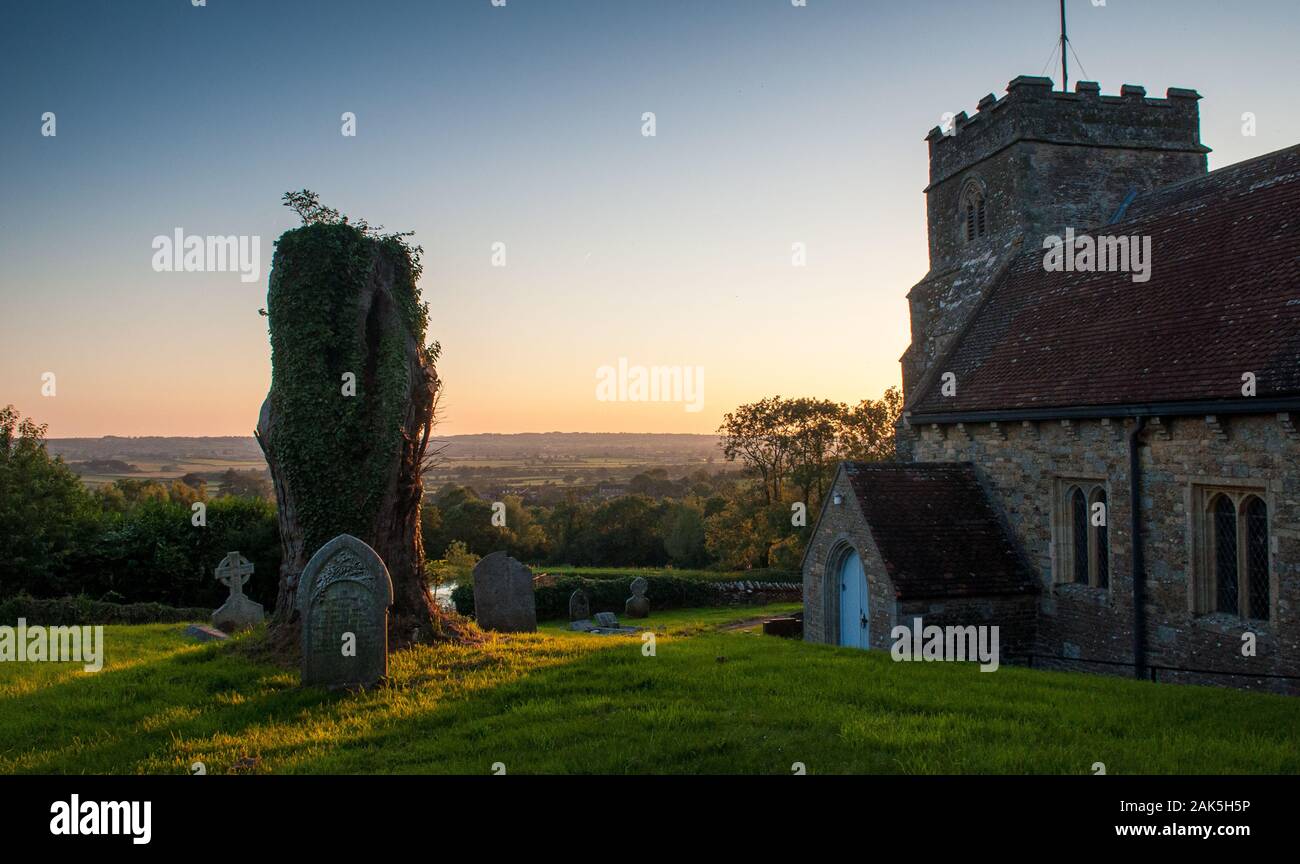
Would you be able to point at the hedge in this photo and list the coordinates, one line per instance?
(608, 595)
(82, 611)
(760, 574)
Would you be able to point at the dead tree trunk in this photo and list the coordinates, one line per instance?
(347, 419)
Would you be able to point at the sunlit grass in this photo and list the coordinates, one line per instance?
(560, 702)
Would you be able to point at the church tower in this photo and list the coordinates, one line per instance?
(1029, 165)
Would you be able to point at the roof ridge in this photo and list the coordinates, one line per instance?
(1206, 179)
(1024, 349)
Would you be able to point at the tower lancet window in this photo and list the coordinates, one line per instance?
(974, 211)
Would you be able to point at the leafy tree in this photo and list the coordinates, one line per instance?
(132, 493)
(45, 511)
(525, 537)
(455, 565)
(683, 532)
(800, 441)
(182, 493)
(867, 432)
(464, 516)
(753, 433)
(734, 536)
(812, 428)
(566, 529)
(247, 484)
(623, 530)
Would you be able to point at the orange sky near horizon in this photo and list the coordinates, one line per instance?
(777, 129)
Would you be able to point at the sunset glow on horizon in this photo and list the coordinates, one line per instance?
(514, 135)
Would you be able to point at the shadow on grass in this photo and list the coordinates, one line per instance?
(768, 704)
(103, 722)
(711, 703)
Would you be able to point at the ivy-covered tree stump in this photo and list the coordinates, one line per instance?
(352, 400)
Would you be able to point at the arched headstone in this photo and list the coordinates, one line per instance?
(503, 595)
(579, 606)
(343, 599)
(637, 605)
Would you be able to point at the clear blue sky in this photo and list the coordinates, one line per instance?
(522, 125)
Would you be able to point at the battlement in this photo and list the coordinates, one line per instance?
(1029, 165)
(1032, 111)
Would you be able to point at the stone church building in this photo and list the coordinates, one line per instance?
(1105, 466)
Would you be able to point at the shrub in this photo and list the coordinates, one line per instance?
(608, 595)
(154, 554)
(82, 611)
(456, 565)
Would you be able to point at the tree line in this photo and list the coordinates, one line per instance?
(134, 540)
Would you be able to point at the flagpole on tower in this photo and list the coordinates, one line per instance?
(1065, 62)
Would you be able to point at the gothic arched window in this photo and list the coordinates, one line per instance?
(1256, 513)
(974, 212)
(1079, 535)
(1231, 573)
(1224, 515)
(1099, 517)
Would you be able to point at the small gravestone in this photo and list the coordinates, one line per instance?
(606, 624)
(637, 605)
(579, 605)
(503, 595)
(238, 612)
(343, 598)
(204, 633)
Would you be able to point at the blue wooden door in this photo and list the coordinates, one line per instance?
(854, 630)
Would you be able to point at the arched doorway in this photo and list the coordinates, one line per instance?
(854, 621)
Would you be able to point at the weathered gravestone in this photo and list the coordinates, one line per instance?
(503, 595)
(204, 633)
(238, 612)
(343, 598)
(637, 605)
(579, 605)
(606, 624)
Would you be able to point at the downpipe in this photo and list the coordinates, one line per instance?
(1135, 547)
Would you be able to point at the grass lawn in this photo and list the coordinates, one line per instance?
(711, 700)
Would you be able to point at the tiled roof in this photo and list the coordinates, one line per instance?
(1223, 300)
(936, 531)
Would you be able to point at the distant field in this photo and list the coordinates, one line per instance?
(158, 470)
(487, 463)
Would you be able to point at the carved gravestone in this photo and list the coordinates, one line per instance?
(343, 597)
(579, 605)
(238, 612)
(637, 605)
(503, 595)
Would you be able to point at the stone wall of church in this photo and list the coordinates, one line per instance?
(1015, 617)
(1022, 467)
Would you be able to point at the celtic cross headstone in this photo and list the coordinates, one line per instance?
(238, 612)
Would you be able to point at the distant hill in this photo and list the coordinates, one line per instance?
(653, 447)
(154, 448)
